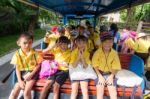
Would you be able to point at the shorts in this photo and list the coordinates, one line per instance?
(106, 76)
(60, 77)
(23, 73)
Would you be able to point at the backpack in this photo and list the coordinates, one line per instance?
(48, 68)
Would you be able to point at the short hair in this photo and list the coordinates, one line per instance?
(87, 22)
(81, 38)
(82, 27)
(26, 35)
(63, 39)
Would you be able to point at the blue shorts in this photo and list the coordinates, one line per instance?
(106, 76)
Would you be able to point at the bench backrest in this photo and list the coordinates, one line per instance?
(124, 59)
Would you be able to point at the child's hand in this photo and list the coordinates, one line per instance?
(28, 76)
(22, 84)
(109, 80)
(101, 81)
(85, 66)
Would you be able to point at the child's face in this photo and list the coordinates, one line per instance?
(107, 44)
(25, 43)
(81, 44)
(63, 46)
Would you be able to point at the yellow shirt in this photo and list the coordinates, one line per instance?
(140, 46)
(62, 57)
(67, 34)
(74, 55)
(104, 62)
(26, 62)
(90, 45)
(96, 38)
(51, 40)
(129, 42)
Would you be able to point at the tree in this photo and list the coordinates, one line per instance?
(16, 17)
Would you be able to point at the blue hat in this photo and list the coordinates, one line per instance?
(106, 36)
(60, 29)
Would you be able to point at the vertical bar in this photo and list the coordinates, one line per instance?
(65, 20)
(94, 24)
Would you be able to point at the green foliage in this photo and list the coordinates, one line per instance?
(123, 15)
(8, 43)
(49, 17)
(141, 12)
(14, 17)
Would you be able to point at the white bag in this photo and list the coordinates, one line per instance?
(80, 73)
(127, 78)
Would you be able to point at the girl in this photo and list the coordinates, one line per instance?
(27, 64)
(80, 55)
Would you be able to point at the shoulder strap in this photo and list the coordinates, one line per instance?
(35, 59)
(20, 58)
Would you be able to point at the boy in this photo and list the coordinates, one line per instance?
(62, 56)
(27, 64)
(106, 63)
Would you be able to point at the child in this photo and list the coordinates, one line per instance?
(80, 56)
(51, 38)
(62, 56)
(116, 35)
(106, 63)
(27, 64)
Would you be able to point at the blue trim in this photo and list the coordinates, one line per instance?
(93, 7)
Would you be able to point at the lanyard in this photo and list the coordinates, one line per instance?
(106, 58)
(25, 61)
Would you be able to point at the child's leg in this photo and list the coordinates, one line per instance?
(56, 87)
(84, 88)
(112, 92)
(28, 88)
(46, 88)
(100, 91)
(15, 92)
(61, 77)
(74, 91)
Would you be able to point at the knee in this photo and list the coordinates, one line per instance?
(74, 92)
(48, 84)
(27, 92)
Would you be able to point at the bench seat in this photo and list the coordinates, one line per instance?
(66, 87)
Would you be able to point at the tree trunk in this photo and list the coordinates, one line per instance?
(32, 24)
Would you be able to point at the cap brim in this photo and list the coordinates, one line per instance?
(106, 38)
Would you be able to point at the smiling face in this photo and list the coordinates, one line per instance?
(63, 46)
(107, 45)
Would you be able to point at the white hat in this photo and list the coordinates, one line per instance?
(141, 35)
